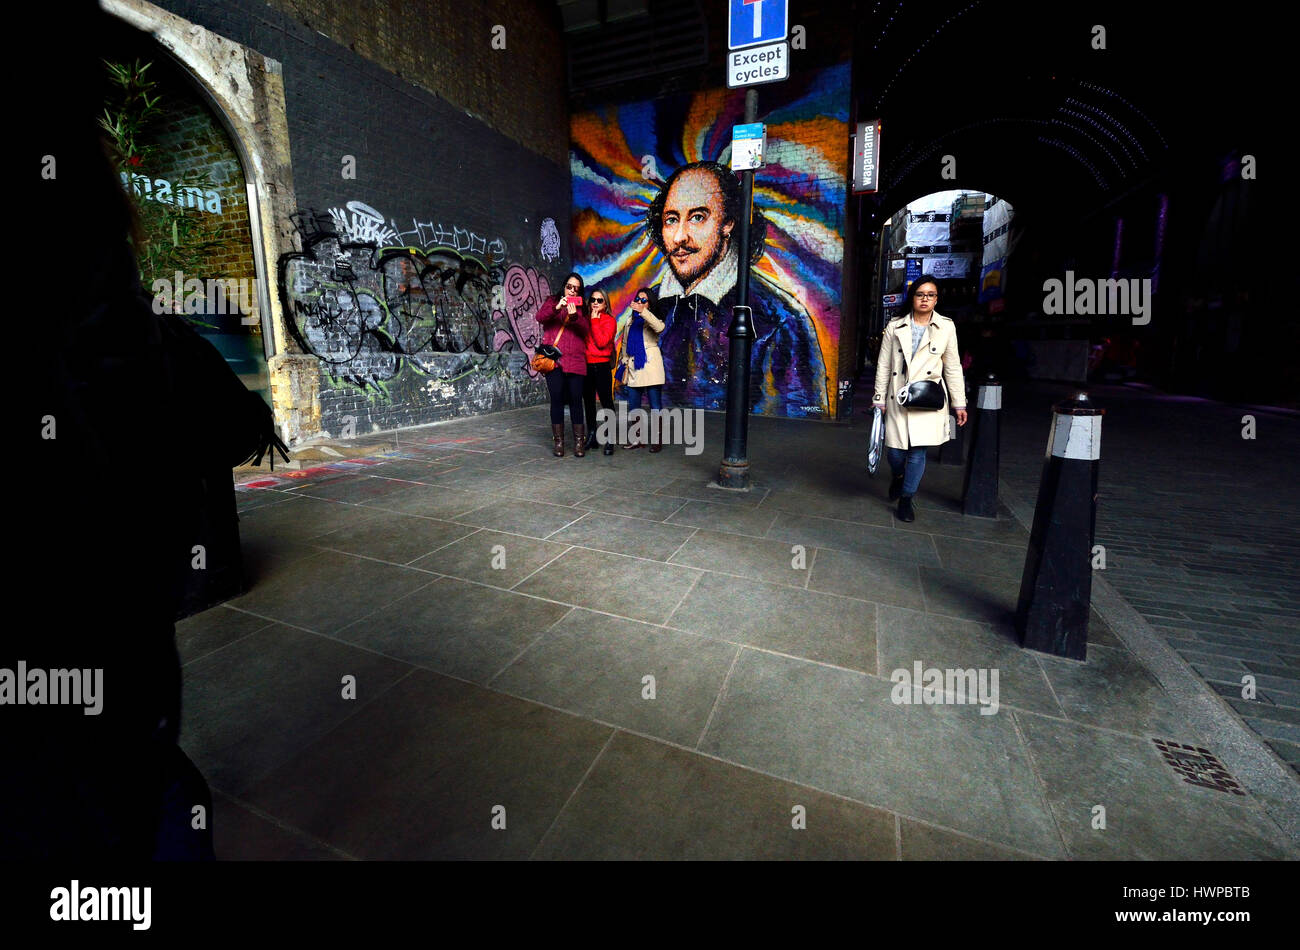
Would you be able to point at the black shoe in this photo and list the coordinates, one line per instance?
(905, 510)
(895, 487)
(608, 448)
(591, 440)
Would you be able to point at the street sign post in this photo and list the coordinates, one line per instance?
(757, 53)
(750, 22)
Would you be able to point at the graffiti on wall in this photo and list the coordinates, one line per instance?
(655, 204)
(373, 309)
(358, 223)
(550, 238)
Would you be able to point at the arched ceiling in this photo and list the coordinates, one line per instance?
(1030, 110)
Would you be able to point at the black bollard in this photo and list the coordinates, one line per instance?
(953, 452)
(979, 496)
(1056, 587)
(734, 470)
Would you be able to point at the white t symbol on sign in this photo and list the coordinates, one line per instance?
(758, 16)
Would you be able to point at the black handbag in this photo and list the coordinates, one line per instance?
(548, 350)
(924, 394)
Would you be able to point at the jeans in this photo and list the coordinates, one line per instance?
(910, 463)
(654, 393)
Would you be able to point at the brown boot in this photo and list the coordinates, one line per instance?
(579, 441)
(557, 432)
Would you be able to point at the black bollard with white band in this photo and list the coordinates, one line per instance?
(979, 496)
(953, 452)
(1056, 587)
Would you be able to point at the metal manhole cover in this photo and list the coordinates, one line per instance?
(1198, 766)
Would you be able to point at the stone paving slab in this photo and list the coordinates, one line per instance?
(821, 627)
(1149, 814)
(252, 705)
(505, 663)
(421, 774)
(647, 679)
(703, 808)
(455, 627)
(841, 731)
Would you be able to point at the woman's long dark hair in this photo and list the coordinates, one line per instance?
(649, 295)
(650, 299)
(582, 287)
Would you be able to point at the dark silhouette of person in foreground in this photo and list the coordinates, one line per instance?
(128, 412)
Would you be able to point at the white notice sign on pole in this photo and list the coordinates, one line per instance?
(748, 142)
(758, 64)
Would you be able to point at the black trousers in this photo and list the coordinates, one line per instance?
(566, 389)
(600, 382)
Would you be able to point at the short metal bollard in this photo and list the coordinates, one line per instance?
(953, 452)
(734, 470)
(979, 497)
(1056, 587)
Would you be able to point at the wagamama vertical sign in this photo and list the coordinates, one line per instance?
(866, 157)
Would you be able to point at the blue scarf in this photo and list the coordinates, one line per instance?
(636, 340)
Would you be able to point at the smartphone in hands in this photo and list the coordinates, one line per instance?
(574, 301)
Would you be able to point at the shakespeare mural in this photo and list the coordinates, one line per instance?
(656, 204)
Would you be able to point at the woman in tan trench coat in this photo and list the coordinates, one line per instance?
(921, 346)
(643, 362)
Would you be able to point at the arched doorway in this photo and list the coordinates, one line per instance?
(196, 244)
(960, 237)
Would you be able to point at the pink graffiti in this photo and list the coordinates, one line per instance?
(523, 291)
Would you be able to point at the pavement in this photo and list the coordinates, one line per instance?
(456, 646)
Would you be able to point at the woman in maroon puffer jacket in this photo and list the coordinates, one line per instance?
(568, 323)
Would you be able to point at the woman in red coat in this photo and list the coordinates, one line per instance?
(600, 365)
(566, 327)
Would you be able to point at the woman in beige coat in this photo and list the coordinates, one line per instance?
(921, 346)
(643, 364)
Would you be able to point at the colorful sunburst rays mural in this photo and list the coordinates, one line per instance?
(622, 154)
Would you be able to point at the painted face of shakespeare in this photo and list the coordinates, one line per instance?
(695, 232)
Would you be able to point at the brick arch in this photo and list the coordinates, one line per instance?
(245, 92)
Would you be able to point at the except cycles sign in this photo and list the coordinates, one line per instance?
(758, 64)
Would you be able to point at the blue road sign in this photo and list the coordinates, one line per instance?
(751, 22)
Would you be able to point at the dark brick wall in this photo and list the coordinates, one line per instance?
(420, 159)
(193, 145)
(444, 47)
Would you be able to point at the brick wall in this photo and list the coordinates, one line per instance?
(444, 47)
(469, 192)
(192, 145)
